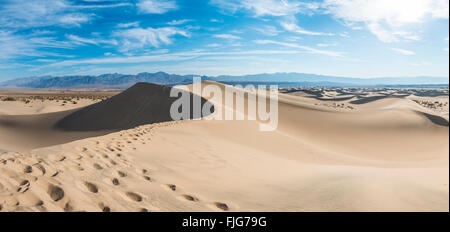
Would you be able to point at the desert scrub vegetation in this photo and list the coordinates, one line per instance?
(8, 99)
(431, 105)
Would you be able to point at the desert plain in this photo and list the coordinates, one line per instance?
(335, 149)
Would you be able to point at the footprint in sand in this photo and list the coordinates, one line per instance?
(97, 166)
(221, 206)
(25, 182)
(104, 208)
(134, 196)
(121, 174)
(172, 187)
(91, 187)
(41, 168)
(28, 169)
(115, 181)
(189, 197)
(56, 193)
(68, 207)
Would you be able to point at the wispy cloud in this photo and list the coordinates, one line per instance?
(227, 36)
(83, 41)
(266, 7)
(38, 13)
(156, 6)
(139, 38)
(14, 46)
(293, 27)
(179, 22)
(213, 45)
(327, 44)
(306, 48)
(268, 30)
(386, 18)
(403, 51)
(128, 25)
(419, 64)
(180, 56)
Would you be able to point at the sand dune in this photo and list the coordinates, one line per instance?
(389, 154)
(143, 103)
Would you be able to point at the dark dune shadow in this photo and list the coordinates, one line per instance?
(375, 98)
(143, 103)
(333, 99)
(27, 132)
(440, 121)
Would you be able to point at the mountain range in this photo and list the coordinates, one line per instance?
(123, 81)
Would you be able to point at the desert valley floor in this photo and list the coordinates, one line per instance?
(335, 149)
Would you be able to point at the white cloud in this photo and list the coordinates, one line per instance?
(266, 7)
(344, 35)
(179, 22)
(419, 64)
(227, 36)
(213, 45)
(293, 27)
(326, 44)
(101, 5)
(128, 25)
(181, 56)
(156, 6)
(268, 30)
(139, 38)
(14, 45)
(286, 9)
(306, 48)
(403, 51)
(75, 19)
(38, 13)
(82, 41)
(385, 18)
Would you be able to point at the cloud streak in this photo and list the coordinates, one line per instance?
(141, 38)
(403, 51)
(156, 6)
(305, 48)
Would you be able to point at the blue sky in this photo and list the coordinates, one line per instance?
(353, 38)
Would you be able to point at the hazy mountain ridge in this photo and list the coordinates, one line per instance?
(121, 81)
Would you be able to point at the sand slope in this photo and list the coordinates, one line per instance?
(387, 155)
(143, 103)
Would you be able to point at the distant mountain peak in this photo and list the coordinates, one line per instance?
(123, 81)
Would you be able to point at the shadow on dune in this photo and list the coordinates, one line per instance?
(435, 119)
(333, 99)
(141, 104)
(374, 98)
